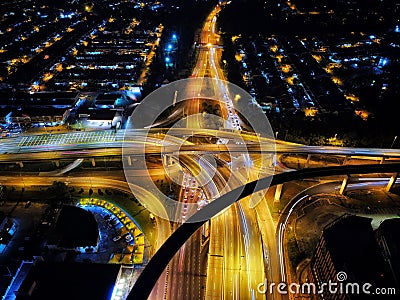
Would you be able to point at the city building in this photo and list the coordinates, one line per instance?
(46, 280)
(7, 229)
(348, 245)
(388, 239)
(75, 228)
(22, 109)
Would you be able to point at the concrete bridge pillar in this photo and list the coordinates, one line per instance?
(308, 161)
(278, 193)
(93, 162)
(166, 160)
(344, 185)
(272, 160)
(57, 163)
(391, 182)
(129, 160)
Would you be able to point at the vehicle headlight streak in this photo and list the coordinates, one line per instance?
(282, 228)
(246, 241)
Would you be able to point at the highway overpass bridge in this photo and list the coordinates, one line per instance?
(162, 142)
(157, 264)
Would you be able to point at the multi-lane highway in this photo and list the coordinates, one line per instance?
(185, 277)
(235, 264)
(171, 246)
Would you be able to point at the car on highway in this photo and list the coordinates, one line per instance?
(116, 238)
(111, 222)
(128, 238)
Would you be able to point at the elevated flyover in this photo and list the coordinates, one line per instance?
(151, 273)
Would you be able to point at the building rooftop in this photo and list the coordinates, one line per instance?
(78, 281)
(75, 227)
(101, 115)
(388, 237)
(390, 229)
(353, 248)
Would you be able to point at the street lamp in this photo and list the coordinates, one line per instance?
(168, 62)
(225, 64)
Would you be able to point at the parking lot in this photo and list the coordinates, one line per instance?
(113, 236)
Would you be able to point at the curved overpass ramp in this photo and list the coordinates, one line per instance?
(153, 270)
